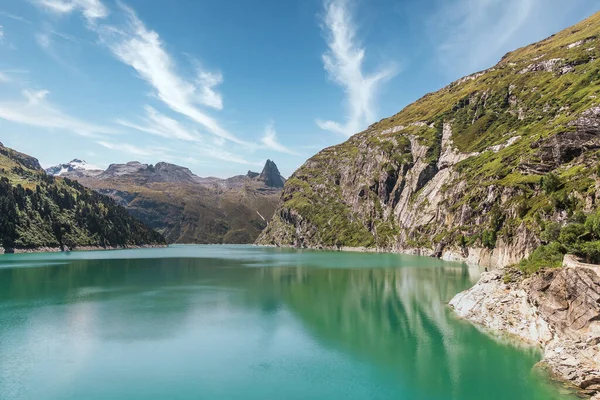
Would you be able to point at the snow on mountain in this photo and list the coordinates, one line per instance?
(75, 165)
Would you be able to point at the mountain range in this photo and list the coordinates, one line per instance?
(40, 211)
(184, 207)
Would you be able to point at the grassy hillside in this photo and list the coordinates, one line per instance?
(501, 161)
(41, 211)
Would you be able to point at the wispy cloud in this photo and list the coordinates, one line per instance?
(471, 33)
(91, 9)
(269, 141)
(344, 64)
(1, 33)
(159, 124)
(4, 78)
(131, 149)
(143, 50)
(36, 110)
(223, 155)
(15, 17)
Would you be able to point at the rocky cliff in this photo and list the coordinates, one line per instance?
(475, 171)
(558, 310)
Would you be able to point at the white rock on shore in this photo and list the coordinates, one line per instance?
(557, 310)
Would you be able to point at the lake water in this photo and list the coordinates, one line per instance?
(242, 322)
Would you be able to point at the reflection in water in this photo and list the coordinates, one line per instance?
(240, 322)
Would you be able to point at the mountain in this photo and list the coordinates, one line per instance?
(488, 169)
(41, 211)
(187, 208)
(74, 167)
(270, 175)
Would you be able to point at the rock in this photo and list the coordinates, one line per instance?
(270, 175)
(557, 310)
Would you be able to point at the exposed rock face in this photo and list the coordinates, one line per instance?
(558, 310)
(270, 175)
(459, 173)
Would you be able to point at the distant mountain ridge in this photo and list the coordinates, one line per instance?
(184, 207)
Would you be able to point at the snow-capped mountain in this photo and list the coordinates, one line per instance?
(76, 166)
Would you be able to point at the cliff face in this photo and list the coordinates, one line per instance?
(463, 173)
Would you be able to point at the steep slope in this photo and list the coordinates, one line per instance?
(479, 170)
(40, 211)
(190, 209)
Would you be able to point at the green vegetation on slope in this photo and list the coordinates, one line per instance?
(42, 211)
(524, 152)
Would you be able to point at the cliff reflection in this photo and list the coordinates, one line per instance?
(398, 319)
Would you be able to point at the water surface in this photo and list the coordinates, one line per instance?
(242, 322)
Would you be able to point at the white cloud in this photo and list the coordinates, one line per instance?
(224, 155)
(344, 64)
(131, 149)
(159, 124)
(143, 50)
(471, 33)
(15, 17)
(37, 111)
(269, 140)
(1, 32)
(91, 9)
(4, 78)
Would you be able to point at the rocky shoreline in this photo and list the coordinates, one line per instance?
(82, 248)
(557, 310)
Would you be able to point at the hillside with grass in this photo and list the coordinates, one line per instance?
(39, 211)
(495, 167)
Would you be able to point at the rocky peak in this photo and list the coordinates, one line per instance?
(74, 167)
(270, 175)
(130, 168)
(173, 173)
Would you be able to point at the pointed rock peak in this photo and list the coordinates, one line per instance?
(270, 175)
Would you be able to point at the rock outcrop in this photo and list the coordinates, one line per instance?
(270, 175)
(557, 309)
(460, 173)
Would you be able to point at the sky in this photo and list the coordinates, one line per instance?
(220, 86)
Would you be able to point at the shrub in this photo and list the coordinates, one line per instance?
(571, 234)
(589, 251)
(592, 224)
(551, 232)
(548, 256)
(488, 239)
(551, 183)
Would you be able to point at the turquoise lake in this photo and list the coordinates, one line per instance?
(244, 322)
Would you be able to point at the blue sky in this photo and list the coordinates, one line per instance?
(219, 86)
